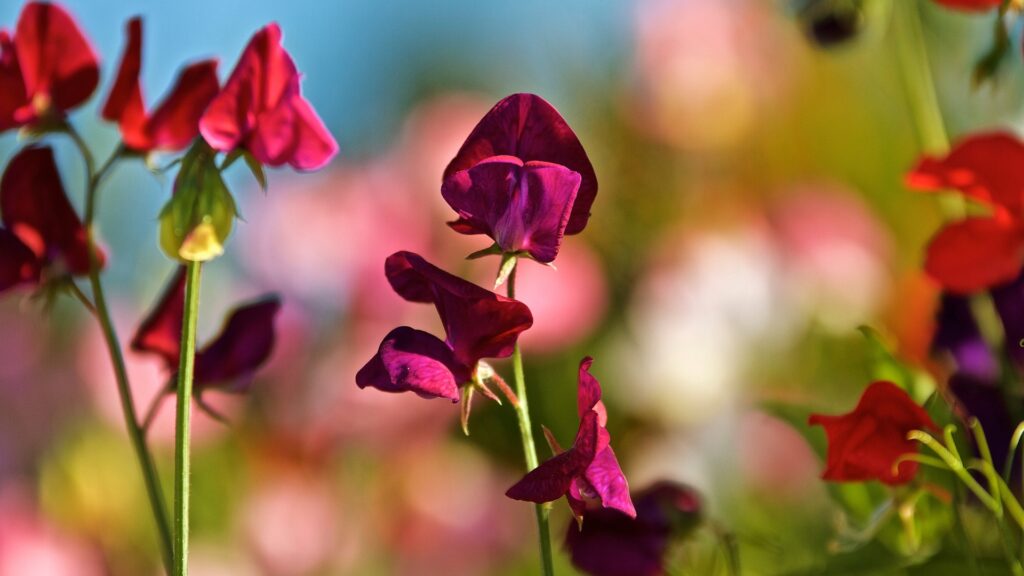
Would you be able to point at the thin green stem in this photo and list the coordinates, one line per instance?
(529, 448)
(102, 313)
(184, 416)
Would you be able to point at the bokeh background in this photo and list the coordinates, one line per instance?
(751, 216)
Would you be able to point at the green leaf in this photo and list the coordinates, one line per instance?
(492, 250)
(196, 222)
(886, 366)
(257, 170)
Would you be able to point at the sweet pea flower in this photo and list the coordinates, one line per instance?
(229, 361)
(866, 443)
(611, 543)
(42, 232)
(978, 252)
(478, 324)
(46, 69)
(588, 473)
(970, 5)
(175, 122)
(261, 109)
(522, 177)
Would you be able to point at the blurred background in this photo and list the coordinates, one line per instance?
(751, 215)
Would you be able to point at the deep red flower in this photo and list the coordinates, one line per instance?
(41, 229)
(970, 5)
(587, 474)
(229, 361)
(610, 543)
(49, 66)
(175, 122)
(478, 324)
(261, 109)
(978, 252)
(522, 177)
(864, 444)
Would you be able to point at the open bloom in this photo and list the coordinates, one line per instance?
(41, 230)
(229, 361)
(611, 543)
(175, 122)
(866, 443)
(978, 252)
(261, 109)
(478, 324)
(588, 473)
(47, 68)
(522, 177)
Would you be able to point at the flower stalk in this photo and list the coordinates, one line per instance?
(182, 431)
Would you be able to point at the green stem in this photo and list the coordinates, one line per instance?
(184, 415)
(102, 313)
(529, 448)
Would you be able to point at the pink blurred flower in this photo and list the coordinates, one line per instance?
(774, 458)
(29, 545)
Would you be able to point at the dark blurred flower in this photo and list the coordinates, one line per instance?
(977, 252)
(829, 23)
(970, 5)
(175, 122)
(610, 543)
(261, 109)
(229, 361)
(587, 474)
(478, 324)
(866, 443)
(42, 232)
(522, 177)
(46, 69)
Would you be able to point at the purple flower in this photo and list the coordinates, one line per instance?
(478, 324)
(587, 474)
(522, 178)
(610, 543)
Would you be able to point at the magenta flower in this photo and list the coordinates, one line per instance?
(228, 362)
(478, 324)
(611, 543)
(42, 232)
(588, 473)
(261, 109)
(522, 178)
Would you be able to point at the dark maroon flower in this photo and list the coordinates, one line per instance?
(175, 123)
(587, 474)
(610, 543)
(46, 69)
(866, 443)
(478, 324)
(229, 361)
(261, 109)
(41, 229)
(513, 179)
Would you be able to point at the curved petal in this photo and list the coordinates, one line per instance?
(314, 144)
(975, 254)
(18, 265)
(56, 59)
(604, 476)
(988, 167)
(13, 96)
(175, 123)
(410, 360)
(160, 331)
(481, 196)
(553, 478)
(588, 392)
(243, 345)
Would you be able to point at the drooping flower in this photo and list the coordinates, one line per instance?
(229, 361)
(42, 232)
(610, 543)
(261, 109)
(478, 324)
(175, 122)
(522, 177)
(866, 443)
(978, 252)
(48, 68)
(587, 474)
(970, 5)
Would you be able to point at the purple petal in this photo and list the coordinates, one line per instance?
(553, 478)
(958, 334)
(529, 128)
(17, 262)
(243, 345)
(607, 482)
(410, 360)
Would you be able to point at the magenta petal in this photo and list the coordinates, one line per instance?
(17, 263)
(314, 144)
(529, 128)
(410, 360)
(551, 192)
(553, 478)
(588, 394)
(604, 476)
(243, 345)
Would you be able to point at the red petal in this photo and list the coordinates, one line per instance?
(175, 123)
(314, 145)
(970, 5)
(160, 332)
(975, 254)
(56, 59)
(986, 167)
(12, 87)
(18, 263)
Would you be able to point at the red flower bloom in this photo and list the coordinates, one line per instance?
(175, 123)
(980, 251)
(229, 361)
(587, 474)
(864, 444)
(41, 229)
(970, 5)
(48, 68)
(262, 110)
